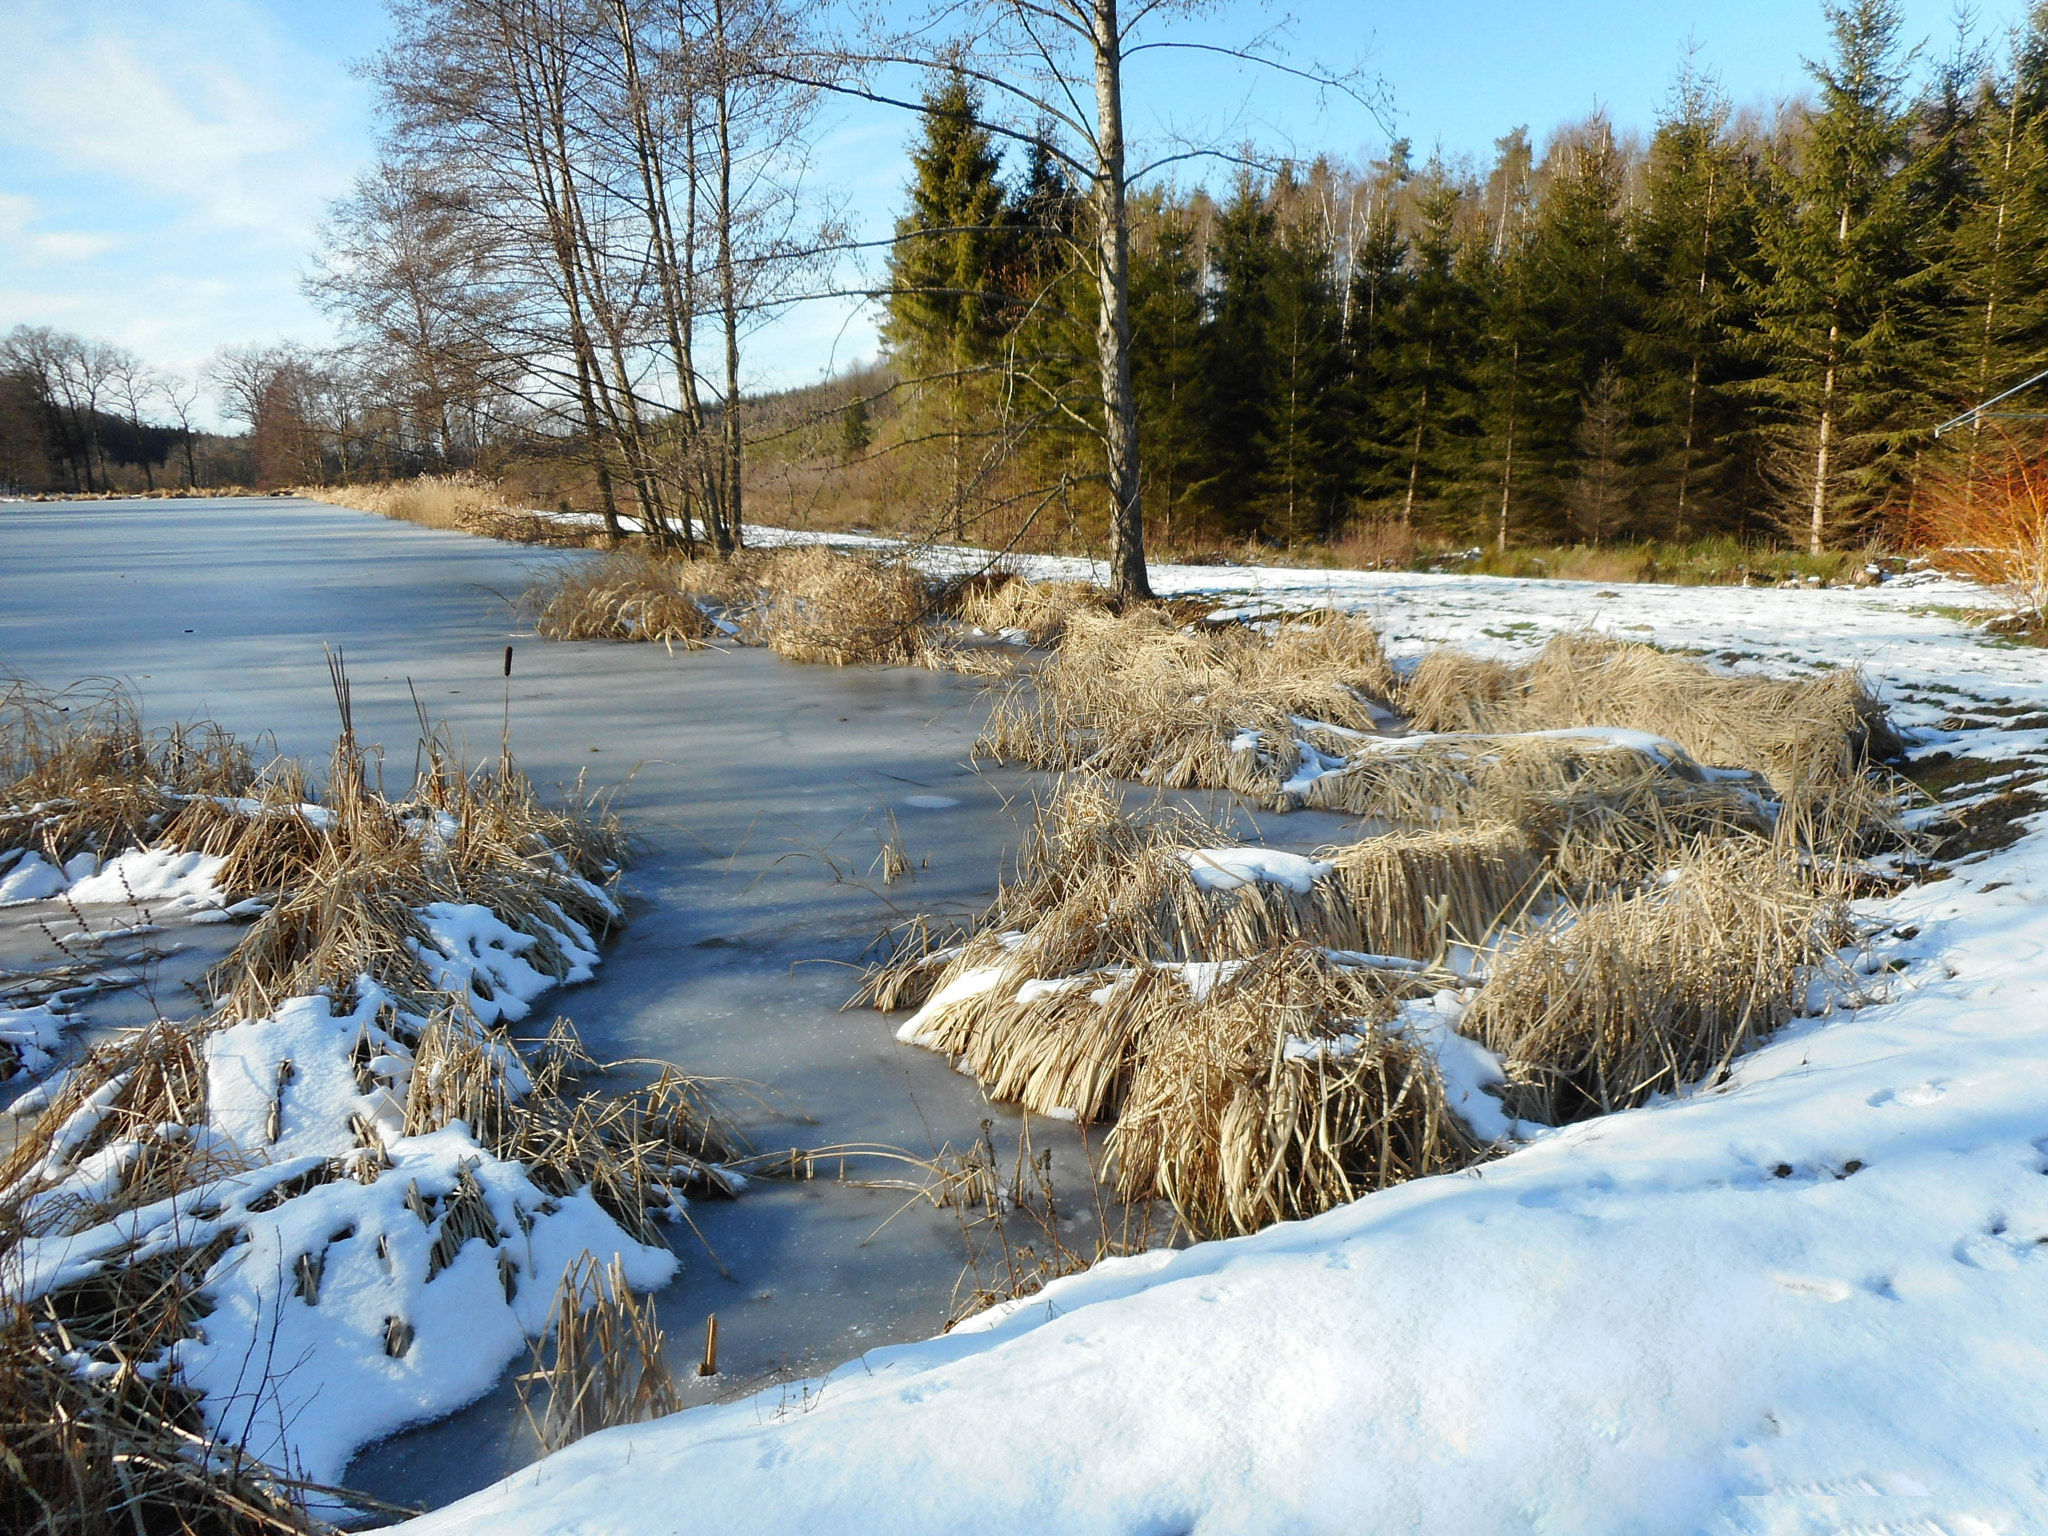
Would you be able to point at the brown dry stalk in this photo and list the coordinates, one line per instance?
(1650, 991)
(600, 1361)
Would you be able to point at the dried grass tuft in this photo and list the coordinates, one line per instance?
(79, 774)
(600, 1363)
(633, 594)
(1793, 731)
(841, 609)
(997, 601)
(1139, 696)
(1281, 1094)
(1649, 991)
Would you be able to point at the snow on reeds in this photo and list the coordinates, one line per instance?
(354, 1085)
(1614, 870)
(115, 1451)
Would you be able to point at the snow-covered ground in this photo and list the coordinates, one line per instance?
(1805, 1300)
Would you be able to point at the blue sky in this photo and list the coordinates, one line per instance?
(164, 167)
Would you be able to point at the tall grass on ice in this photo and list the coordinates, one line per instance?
(344, 874)
(600, 1361)
(461, 502)
(807, 604)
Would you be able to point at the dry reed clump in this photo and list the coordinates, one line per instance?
(1139, 696)
(346, 872)
(809, 604)
(78, 773)
(999, 601)
(114, 1452)
(645, 594)
(1279, 1094)
(600, 1361)
(1108, 976)
(1601, 814)
(1650, 991)
(839, 609)
(1795, 732)
(348, 885)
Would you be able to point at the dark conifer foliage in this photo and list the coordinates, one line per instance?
(1724, 324)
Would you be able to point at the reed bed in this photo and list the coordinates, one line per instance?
(343, 874)
(1792, 731)
(1644, 992)
(1615, 868)
(808, 604)
(461, 502)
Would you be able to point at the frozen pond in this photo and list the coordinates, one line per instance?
(760, 791)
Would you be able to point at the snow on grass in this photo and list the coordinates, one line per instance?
(173, 883)
(1813, 1293)
(1805, 1299)
(31, 1035)
(1225, 869)
(347, 1307)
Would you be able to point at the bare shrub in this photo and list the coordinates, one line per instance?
(1986, 518)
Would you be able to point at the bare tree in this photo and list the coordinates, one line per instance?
(182, 396)
(132, 382)
(1060, 66)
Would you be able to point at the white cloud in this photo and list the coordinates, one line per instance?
(200, 105)
(164, 167)
(22, 243)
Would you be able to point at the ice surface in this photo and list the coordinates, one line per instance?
(1805, 1300)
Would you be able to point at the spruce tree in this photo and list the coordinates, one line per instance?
(1429, 345)
(1998, 255)
(945, 312)
(1843, 327)
(1582, 296)
(1501, 273)
(1380, 279)
(1695, 238)
(1237, 365)
(1305, 473)
(1166, 354)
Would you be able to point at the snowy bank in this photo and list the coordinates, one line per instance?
(1804, 1300)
